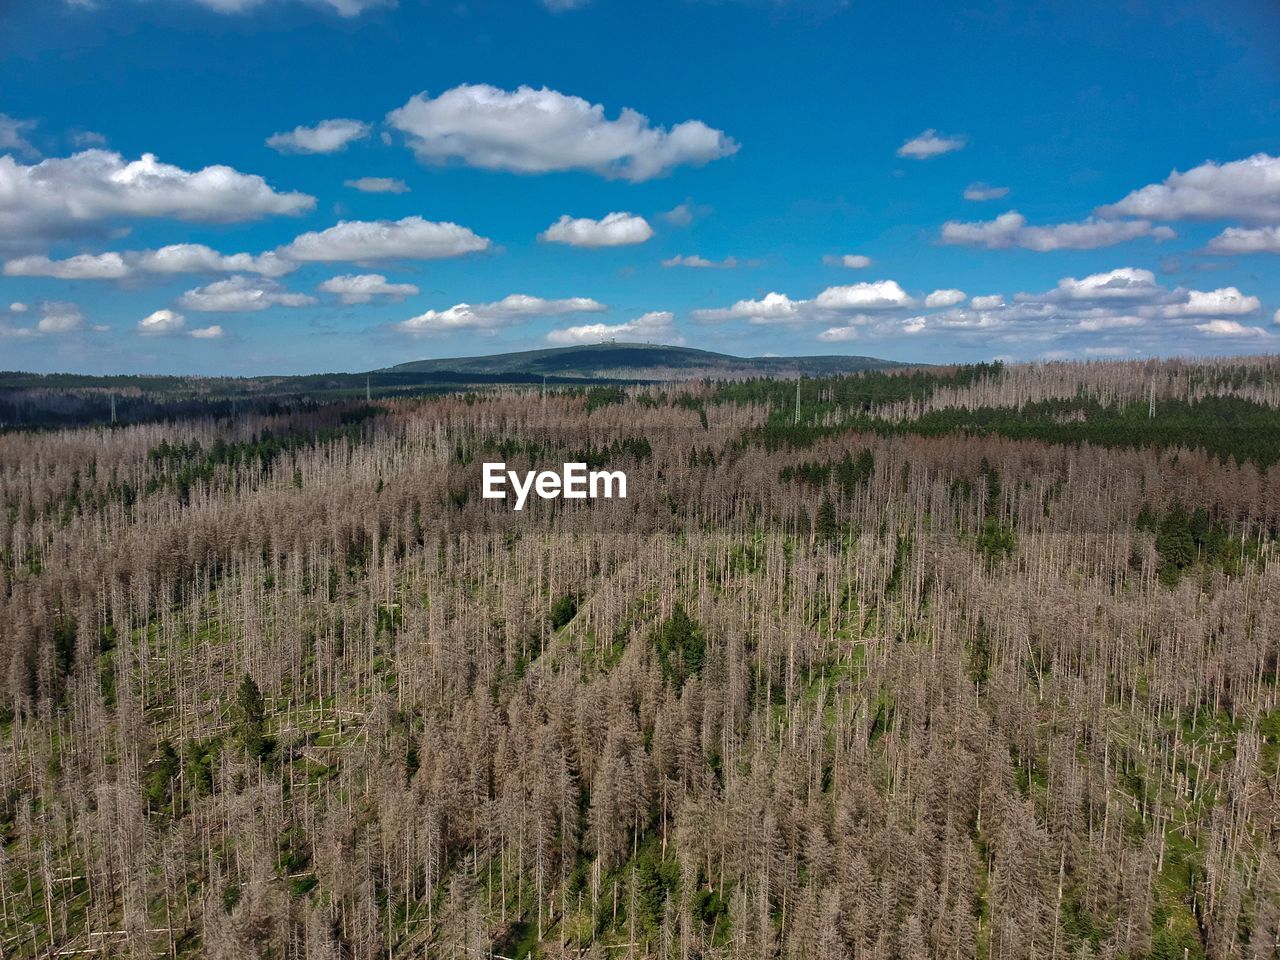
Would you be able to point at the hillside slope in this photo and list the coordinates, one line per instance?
(643, 361)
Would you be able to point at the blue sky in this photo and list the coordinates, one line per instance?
(256, 186)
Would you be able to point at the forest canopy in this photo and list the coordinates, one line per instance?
(966, 662)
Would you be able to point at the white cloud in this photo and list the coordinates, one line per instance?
(1246, 189)
(881, 295)
(614, 230)
(378, 185)
(164, 323)
(328, 136)
(1123, 283)
(506, 312)
(984, 191)
(1275, 319)
(559, 6)
(60, 318)
(241, 295)
(177, 258)
(773, 307)
(1225, 302)
(930, 144)
(1118, 310)
(1245, 240)
(538, 131)
(655, 325)
(65, 197)
(197, 258)
(697, 262)
(944, 298)
(343, 8)
(362, 288)
(854, 261)
(1011, 230)
(17, 307)
(352, 8)
(161, 323)
(1229, 328)
(360, 241)
(105, 266)
(12, 134)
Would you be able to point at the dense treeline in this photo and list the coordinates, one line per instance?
(831, 682)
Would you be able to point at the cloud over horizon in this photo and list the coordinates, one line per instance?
(510, 310)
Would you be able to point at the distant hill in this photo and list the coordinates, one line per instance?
(33, 400)
(639, 361)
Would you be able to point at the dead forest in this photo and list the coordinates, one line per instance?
(939, 664)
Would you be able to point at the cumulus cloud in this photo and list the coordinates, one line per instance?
(161, 323)
(1123, 283)
(343, 8)
(18, 307)
(167, 323)
(197, 258)
(1246, 189)
(984, 191)
(241, 295)
(539, 131)
(176, 258)
(412, 238)
(771, 308)
(362, 288)
(1011, 230)
(930, 144)
(378, 185)
(57, 317)
(614, 230)
(506, 312)
(1126, 303)
(83, 193)
(832, 302)
(1245, 240)
(655, 325)
(944, 298)
(854, 261)
(880, 295)
(327, 136)
(1124, 309)
(1225, 302)
(697, 262)
(1230, 328)
(105, 266)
